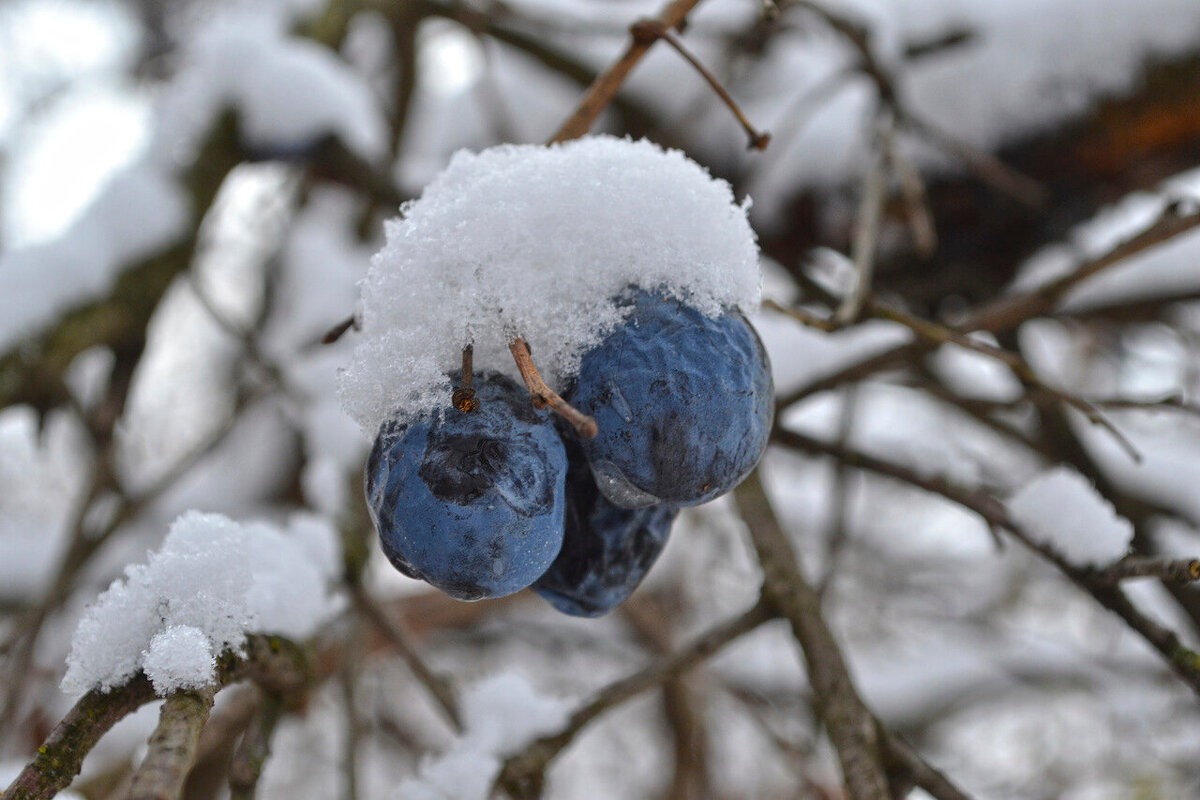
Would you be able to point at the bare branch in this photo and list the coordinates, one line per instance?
(401, 641)
(1184, 662)
(852, 727)
(651, 29)
(172, 746)
(524, 774)
(255, 748)
(606, 85)
(1168, 570)
(866, 225)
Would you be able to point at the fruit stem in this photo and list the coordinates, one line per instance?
(464, 396)
(543, 395)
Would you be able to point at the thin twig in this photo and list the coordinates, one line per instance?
(851, 725)
(524, 774)
(336, 332)
(651, 29)
(680, 701)
(543, 395)
(936, 333)
(348, 676)
(1007, 312)
(994, 172)
(1168, 570)
(1184, 662)
(605, 87)
(919, 770)
(865, 240)
(401, 641)
(916, 201)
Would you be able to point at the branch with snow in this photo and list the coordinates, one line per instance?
(273, 662)
(212, 583)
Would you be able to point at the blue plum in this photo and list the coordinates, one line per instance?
(683, 401)
(471, 502)
(607, 550)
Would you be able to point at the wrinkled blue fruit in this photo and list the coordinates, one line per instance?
(607, 550)
(472, 502)
(683, 402)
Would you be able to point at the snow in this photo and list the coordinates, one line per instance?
(536, 241)
(1061, 509)
(212, 582)
(42, 478)
(501, 715)
(179, 657)
(973, 374)
(1028, 65)
(288, 91)
(140, 211)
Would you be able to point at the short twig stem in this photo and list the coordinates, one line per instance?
(1170, 570)
(648, 30)
(464, 396)
(544, 396)
(335, 333)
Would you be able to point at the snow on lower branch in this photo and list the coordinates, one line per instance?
(501, 715)
(1061, 509)
(212, 582)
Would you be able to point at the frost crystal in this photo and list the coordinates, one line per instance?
(212, 582)
(1060, 508)
(536, 241)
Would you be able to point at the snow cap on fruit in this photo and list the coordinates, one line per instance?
(537, 241)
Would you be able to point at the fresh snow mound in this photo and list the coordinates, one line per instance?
(536, 241)
(1060, 508)
(212, 582)
(179, 657)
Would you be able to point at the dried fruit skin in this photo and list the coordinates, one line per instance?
(684, 404)
(607, 550)
(472, 502)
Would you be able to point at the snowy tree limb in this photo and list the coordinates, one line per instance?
(33, 371)
(274, 663)
(1009, 311)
